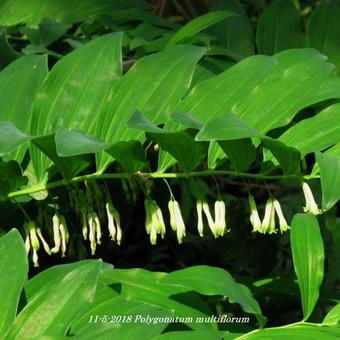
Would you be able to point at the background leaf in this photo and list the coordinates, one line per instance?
(279, 28)
(13, 274)
(323, 30)
(64, 300)
(198, 24)
(308, 257)
(330, 179)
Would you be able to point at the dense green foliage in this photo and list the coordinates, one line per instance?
(205, 145)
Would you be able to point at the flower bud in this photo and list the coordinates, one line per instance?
(172, 215)
(211, 222)
(64, 234)
(282, 221)
(268, 223)
(43, 241)
(311, 205)
(178, 222)
(220, 220)
(154, 222)
(98, 228)
(111, 223)
(56, 234)
(35, 258)
(254, 215)
(85, 229)
(199, 208)
(92, 232)
(33, 235)
(27, 244)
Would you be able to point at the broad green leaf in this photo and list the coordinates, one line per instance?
(13, 274)
(11, 178)
(259, 78)
(10, 137)
(308, 257)
(67, 166)
(279, 28)
(50, 276)
(330, 179)
(13, 12)
(74, 142)
(7, 53)
(53, 309)
(130, 155)
(198, 24)
(179, 144)
(217, 95)
(333, 316)
(139, 285)
(288, 157)
(153, 85)
(296, 332)
(235, 33)
(316, 133)
(323, 30)
(215, 281)
(241, 152)
(19, 83)
(74, 92)
(226, 127)
(48, 32)
(229, 127)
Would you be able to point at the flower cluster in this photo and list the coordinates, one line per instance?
(154, 222)
(268, 224)
(273, 209)
(94, 208)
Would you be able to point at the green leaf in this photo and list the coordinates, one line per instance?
(64, 300)
(13, 12)
(226, 127)
(7, 53)
(215, 281)
(296, 332)
(49, 277)
(241, 152)
(235, 33)
(288, 157)
(198, 24)
(74, 92)
(74, 142)
(330, 179)
(10, 137)
(48, 32)
(218, 95)
(11, 178)
(333, 316)
(131, 155)
(139, 285)
(279, 28)
(323, 30)
(13, 274)
(308, 257)
(230, 127)
(316, 133)
(154, 85)
(67, 166)
(19, 83)
(179, 144)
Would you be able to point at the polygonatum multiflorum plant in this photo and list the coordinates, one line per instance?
(222, 126)
(168, 119)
